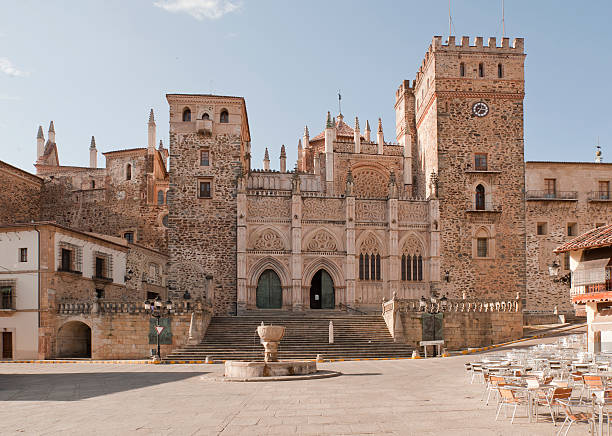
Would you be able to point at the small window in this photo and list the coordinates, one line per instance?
(152, 295)
(204, 158)
(23, 255)
(165, 220)
(480, 70)
(93, 184)
(480, 198)
(500, 71)
(7, 297)
(224, 117)
(482, 247)
(160, 197)
(187, 115)
(129, 236)
(566, 260)
(205, 116)
(572, 229)
(99, 293)
(100, 267)
(66, 261)
(480, 161)
(542, 229)
(128, 172)
(550, 187)
(204, 189)
(462, 69)
(604, 190)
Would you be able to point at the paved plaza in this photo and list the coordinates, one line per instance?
(400, 397)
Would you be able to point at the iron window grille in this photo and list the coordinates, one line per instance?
(7, 294)
(70, 258)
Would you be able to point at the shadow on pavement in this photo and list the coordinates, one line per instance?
(361, 373)
(78, 386)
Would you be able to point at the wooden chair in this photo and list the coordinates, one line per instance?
(575, 417)
(592, 383)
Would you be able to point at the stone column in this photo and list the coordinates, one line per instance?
(241, 246)
(393, 262)
(434, 243)
(593, 337)
(350, 249)
(296, 246)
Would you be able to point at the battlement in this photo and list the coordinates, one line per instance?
(517, 48)
(404, 87)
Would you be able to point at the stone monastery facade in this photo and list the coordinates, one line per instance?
(360, 218)
(446, 205)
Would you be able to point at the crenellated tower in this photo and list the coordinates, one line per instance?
(466, 108)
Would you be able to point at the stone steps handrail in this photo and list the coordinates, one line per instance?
(414, 305)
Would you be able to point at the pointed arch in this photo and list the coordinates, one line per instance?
(413, 257)
(370, 249)
(186, 114)
(323, 263)
(268, 263)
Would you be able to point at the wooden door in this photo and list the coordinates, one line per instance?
(269, 291)
(327, 291)
(432, 325)
(7, 345)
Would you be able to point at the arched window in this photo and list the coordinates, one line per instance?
(480, 198)
(370, 267)
(224, 117)
(412, 262)
(462, 69)
(167, 194)
(480, 70)
(187, 114)
(160, 197)
(500, 71)
(93, 184)
(205, 116)
(128, 172)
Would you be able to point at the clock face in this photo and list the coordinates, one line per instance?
(480, 109)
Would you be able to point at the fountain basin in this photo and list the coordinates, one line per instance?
(271, 333)
(247, 370)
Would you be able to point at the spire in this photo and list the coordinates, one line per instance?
(93, 154)
(380, 137)
(380, 125)
(340, 117)
(161, 145)
(367, 131)
(40, 144)
(151, 117)
(357, 137)
(40, 133)
(266, 160)
(151, 131)
(306, 131)
(283, 159)
(283, 152)
(329, 121)
(356, 123)
(51, 132)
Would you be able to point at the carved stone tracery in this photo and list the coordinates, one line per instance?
(322, 241)
(370, 183)
(269, 240)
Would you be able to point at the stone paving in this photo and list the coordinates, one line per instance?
(400, 397)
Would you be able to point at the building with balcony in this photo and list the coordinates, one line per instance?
(590, 257)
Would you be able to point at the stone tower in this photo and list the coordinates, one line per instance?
(466, 106)
(209, 142)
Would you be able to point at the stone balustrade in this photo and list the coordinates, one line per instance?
(133, 307)
(414, 305)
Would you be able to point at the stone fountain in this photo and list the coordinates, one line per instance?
(270, 336)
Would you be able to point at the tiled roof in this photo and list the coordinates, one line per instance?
(599, 237)
(342, 130)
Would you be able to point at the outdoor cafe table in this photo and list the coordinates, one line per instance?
(531, 394)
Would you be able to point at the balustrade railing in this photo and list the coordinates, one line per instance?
(416, 305)
(84, 308)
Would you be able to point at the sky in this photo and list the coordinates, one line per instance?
(98, 67)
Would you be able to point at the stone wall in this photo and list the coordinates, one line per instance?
(19, 196)
(465, 323)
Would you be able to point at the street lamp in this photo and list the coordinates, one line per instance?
(553, 268)
(157, 309)
(553, 271)
(444, 303)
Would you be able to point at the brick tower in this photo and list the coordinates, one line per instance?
(467, 102)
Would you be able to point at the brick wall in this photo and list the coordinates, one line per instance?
(19, 196)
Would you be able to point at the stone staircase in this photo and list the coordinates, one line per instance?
(355, 337)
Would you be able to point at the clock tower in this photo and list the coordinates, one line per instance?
(468, 113)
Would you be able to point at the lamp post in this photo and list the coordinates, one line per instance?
(553, 271)
(157, 309)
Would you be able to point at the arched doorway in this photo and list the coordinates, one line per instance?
(74, 340)
(322, 291)
(269, 291)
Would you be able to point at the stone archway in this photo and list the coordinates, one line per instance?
(322, 294)
(74, 340)
(269, 293)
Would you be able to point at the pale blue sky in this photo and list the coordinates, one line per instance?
(97, 67)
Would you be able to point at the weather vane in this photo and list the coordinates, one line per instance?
(339, 102)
